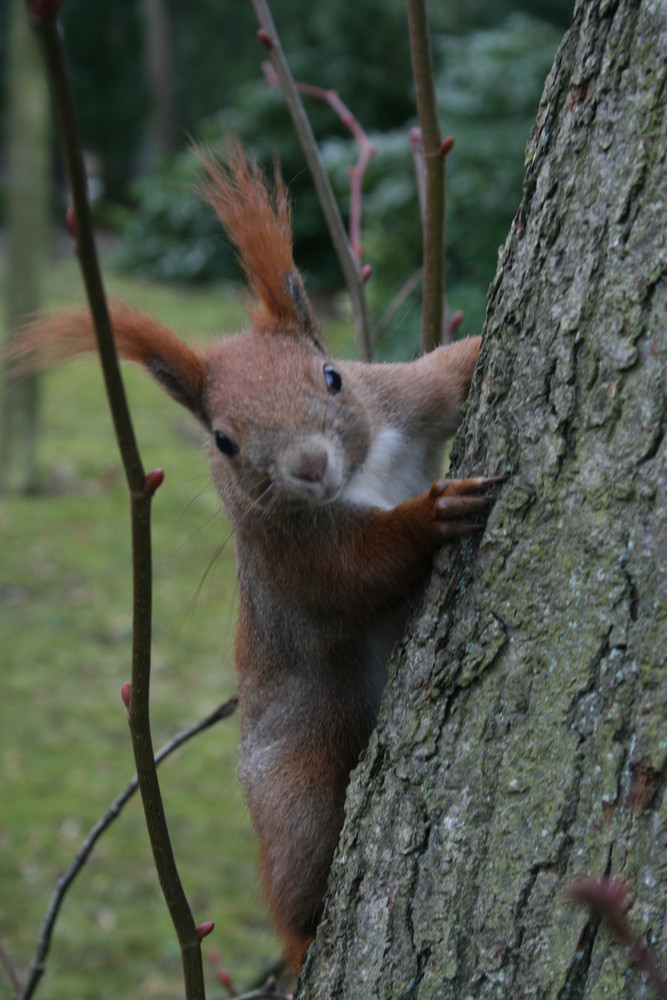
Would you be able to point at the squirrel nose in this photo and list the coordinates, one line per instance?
(310, 466)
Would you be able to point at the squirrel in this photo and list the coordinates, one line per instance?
(329, 474)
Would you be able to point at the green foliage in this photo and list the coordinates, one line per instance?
(104, 48)
(172, 236)
(356, 65)
(489, 83)
(214, 50)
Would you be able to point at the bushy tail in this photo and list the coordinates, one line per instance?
(138, 337)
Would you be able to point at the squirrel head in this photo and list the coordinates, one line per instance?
(284, 426)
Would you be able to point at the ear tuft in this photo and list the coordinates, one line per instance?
(259, 223)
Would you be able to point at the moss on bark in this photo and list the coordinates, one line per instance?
(523, 740)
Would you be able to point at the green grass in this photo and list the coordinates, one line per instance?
(64, 654)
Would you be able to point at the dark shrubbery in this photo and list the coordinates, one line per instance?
(489, 86)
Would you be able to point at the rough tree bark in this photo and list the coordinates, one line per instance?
(523, 739)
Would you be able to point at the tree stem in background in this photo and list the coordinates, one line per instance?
(349, 266)
(434, 176)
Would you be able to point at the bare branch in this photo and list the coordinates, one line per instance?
(608, 899)
(268, 36)
(36, 969)
(366, 149)
(11, 972)
(269, 991)
(434, 175)
(44, 19)
(404, 292)
(417, 151)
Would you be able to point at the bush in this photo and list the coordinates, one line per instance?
(489, 82)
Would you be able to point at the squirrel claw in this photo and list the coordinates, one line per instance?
(449, 530)
(457, 500)
(458, 506)
(466, 487)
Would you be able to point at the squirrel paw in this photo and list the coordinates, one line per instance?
(460, 506)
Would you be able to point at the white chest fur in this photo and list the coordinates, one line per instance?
(396, 468)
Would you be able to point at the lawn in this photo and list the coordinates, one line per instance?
(65, 652)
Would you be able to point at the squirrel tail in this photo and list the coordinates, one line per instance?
(179, 368)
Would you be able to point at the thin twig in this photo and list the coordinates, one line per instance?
(417, 150)
(608, 899)
(36, 969)
(269, 991)
(268, 36)
(404, 292)
(434, 174)
(44, 18)
(11, 972)
(366, 149)
(266, 993)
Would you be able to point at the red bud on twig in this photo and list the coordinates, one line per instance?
(265, 38)
(70, 221)
(152, 481)
(126, 694)
(366, 272)
(205, 929)
(455, 321)
(226, 980)
(446, 146)
(609, 899)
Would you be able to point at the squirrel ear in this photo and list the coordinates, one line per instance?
(179, 368)
(258, 221)
(183, 383)
(302, 307)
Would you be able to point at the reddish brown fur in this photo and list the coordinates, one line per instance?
(325, 578)
(260, 224)
(138, 338)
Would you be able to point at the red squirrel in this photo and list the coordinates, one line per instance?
(328, 471)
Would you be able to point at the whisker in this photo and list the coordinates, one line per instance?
(200, 493)
(211, 563)
(258, 501)
(186, 541)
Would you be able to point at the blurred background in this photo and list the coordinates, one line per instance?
(149, 77)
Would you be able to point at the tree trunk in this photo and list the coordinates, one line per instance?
(28, 150)
(522, 742)
(162, 133)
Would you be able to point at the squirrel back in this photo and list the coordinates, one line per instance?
(329, 472)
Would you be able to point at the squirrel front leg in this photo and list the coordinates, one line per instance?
(405, 539)
(382, 556)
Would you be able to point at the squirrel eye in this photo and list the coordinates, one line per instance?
(333, 380)
(226, 445)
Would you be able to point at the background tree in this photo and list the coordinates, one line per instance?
(27, 226)
(522, 742)
(162, 136)
(105, 52)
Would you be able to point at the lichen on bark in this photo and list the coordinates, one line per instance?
(523, 738)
